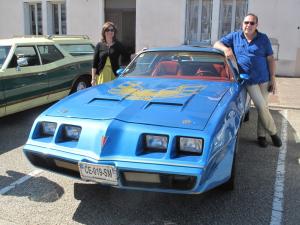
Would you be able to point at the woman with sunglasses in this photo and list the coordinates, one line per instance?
(107, 55)
(253, 52)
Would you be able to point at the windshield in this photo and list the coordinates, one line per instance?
(4, 50)
(179, 64)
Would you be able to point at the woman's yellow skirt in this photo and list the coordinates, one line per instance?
(106, 74)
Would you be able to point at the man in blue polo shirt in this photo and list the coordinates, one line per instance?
(253, 52)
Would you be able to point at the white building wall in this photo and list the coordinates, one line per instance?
(280, 19)
(215, 17)
(85, 17)
(11, 19)
(160, 23)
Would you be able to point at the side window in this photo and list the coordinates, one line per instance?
(201, 27)
(49, 53)
(33, 17)
(78, 49)
(13, 62)
(233, 67)
(4, 50)
(232, 13)
(28, 54)
(57, 17)
(199, 21)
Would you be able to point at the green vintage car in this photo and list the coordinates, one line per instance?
(39, 70)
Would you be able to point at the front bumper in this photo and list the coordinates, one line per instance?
(172, 178)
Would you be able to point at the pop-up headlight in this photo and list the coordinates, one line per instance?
(47, 129)
(71, 133)
(156, 142)
(190, 145)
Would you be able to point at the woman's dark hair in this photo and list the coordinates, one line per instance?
(105, 27)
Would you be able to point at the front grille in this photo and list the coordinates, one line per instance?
(54, 164)
(157, 180)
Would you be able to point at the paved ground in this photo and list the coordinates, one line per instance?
(288, 93)
(267, 182)
(288, 97)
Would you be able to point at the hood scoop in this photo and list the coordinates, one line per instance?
(103, 100)
(166, 105)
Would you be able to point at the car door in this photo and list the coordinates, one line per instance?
(56, 62)
(4, 52)
(25, 83)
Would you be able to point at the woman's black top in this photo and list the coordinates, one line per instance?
(102, 51)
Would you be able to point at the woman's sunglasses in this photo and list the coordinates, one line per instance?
(249, 22)
(110, 29)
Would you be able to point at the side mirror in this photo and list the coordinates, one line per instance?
(120, 71)
(244, 76)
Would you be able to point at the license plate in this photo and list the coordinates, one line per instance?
(99, 173)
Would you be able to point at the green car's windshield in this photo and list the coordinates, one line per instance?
(4, 50)
(179, 64)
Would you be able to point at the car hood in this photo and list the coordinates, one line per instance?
(163, 102)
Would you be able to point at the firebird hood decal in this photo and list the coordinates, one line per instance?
(136, 91)
(161, 102)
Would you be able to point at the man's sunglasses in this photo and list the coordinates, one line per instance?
(249, 22)
(111, 29)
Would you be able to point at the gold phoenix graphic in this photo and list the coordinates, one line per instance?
(136, 91)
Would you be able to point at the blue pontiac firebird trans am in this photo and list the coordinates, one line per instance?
(169, 123)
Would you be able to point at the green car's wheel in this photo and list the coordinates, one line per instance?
(81, 83)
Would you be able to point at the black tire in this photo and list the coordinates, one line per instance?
(80, 84)
(229, 185)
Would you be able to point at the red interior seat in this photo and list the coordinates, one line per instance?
(221, 70)
(166, 68)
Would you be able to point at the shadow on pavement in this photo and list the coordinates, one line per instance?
(100, 205)
(249, 203)
(15, 128)
(38, 189)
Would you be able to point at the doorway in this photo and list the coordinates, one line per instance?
(123, 14)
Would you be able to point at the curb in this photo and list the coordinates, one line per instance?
(283, 107)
